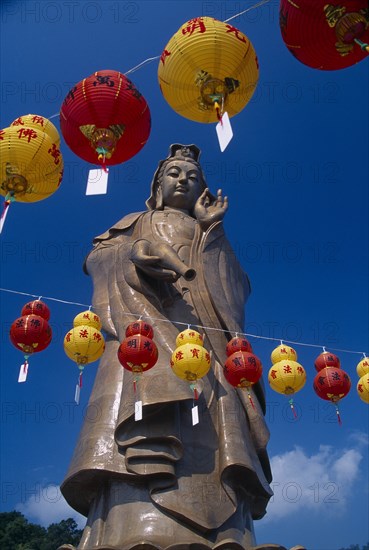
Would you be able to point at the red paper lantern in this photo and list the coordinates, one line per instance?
(326, 359)
(36, 307)
(242, 369)
(137, 353)
(332, 384)
(238, 343)
(104, 119)
(30, 334)
(322, 34)
(140, 327)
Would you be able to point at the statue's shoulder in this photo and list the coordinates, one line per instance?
(122, 225)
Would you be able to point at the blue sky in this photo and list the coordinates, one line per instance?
(296, 174)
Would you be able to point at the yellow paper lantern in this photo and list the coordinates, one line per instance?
(88, 318)
(39, 123)
(362, 367)
(206, 68)
(189, 336)
(283, 352)
(190, 362)
(84, 344)
(363, 388)
(31, 164)
(287, 377)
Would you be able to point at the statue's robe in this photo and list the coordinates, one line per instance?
(162, 480)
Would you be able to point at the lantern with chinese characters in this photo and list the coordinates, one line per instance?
(36, 307)
(84, 343)
(208, 67)
(283, 352)
(31, 162)
(238, 343)
(287, 377)
(190, 360)
(140, 327)
(326, 35)
(137, 354)
(326, 359)
(39, 123)
(243, 369)
(332, 384)
(189, 336)
(363, 367)
(363, 388)
(88, 318)
(30, 334)
(104, 119)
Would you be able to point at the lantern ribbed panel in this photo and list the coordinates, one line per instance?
(30, 333)
(88, 318)
(282, 352)
(363, 388)
(189, 336)
(287, 377)
(326, 359)
(363, 367)
(216, 51)
(94, 101)
(309, 37)
(238, 344)
(36, 307)
(331, 384)
(84, 343)
(140, 327)
(190, 362)
(242, 369)
(29, 153)
(39, 123)
(138, 351)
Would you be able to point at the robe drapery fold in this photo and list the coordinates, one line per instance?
(201, 475)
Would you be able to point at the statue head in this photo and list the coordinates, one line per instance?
(177, 152)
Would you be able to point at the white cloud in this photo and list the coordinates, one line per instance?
(47, 505)
(318, 483)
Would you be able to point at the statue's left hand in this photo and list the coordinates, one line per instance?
(208, 212)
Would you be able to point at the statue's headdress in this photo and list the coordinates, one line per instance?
(177, 151)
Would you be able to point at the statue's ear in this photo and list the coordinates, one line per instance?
(159, 198)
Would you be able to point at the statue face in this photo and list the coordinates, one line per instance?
(181, 185)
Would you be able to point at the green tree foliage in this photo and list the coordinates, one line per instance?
(17, 533)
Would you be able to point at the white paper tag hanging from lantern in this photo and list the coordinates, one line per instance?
(23, 372)
(77, 394)
(4, 215)
(97, 183)
(195, 415)
(138, 410)
(224, 131)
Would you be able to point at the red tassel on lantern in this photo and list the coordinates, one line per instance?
(30, 334)
(138, 353)
(242, 369)
(332, 384)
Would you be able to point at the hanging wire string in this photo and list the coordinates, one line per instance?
(150, 59)
(44, 297)
(246, 10)
(181, 323)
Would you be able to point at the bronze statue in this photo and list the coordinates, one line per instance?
(161, 482)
